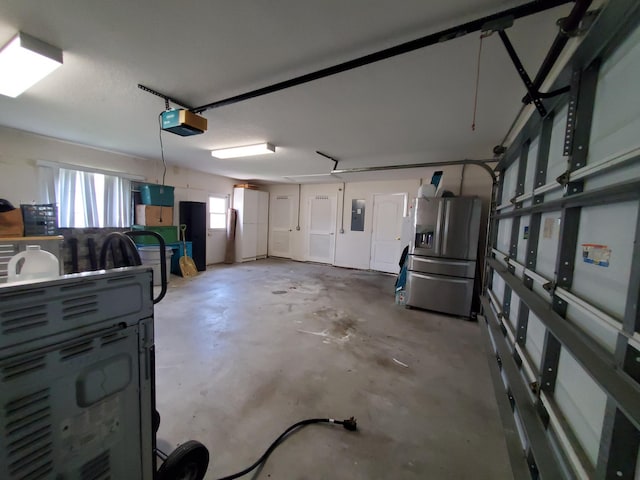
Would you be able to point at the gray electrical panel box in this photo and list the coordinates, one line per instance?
(76, 377)
(357, 215)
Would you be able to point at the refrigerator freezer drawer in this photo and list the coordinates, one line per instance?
(440, 293)
(441, 266)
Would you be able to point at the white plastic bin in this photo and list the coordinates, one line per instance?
(150, 255)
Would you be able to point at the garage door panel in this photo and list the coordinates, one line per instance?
(616, 114)
(504, 234)
(523, 236)
(509, 185)
(604, 233)
(603, 333)
(548, 239)
(498, 287)
(535, 339)
(513, 310)
(581, 402)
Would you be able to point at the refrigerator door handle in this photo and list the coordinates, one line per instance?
(447, 219)
(438, 233)
(440, 278)
(445, 262)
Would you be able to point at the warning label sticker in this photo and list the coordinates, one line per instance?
(596, 254)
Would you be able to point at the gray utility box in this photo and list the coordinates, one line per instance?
(76, 377)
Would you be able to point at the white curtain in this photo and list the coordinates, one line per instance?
(66, 195)
(88, 214)
(92, 199)
(117, 201)
(47, 179)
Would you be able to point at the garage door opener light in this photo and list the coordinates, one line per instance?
(24, 61)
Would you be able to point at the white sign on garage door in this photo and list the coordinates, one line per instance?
(322, 226)
(386, 247)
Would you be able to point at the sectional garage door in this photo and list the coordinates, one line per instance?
(560, 304)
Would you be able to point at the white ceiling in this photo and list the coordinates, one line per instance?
(409, 109)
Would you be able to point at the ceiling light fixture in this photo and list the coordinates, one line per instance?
(24, 61)
(246, 151)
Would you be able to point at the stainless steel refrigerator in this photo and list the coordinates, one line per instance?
(442, 255)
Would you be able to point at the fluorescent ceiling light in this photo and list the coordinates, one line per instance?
(24, 61)
(246, 151)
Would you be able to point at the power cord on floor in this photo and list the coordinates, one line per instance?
(349, 423)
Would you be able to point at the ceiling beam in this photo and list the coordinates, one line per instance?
(480, 24)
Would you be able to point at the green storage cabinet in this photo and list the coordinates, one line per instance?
(170, 234)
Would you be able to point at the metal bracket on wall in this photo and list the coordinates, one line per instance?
(564, 178)
(571, 114)
(532, 91)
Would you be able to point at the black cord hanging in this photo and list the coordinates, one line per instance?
(475, 100)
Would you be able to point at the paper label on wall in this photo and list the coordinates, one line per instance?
(551, 225)
(596, 254)
(525, 233)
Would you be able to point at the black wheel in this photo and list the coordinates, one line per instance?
(156, 421)
(187, 462)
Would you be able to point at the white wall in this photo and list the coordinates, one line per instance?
(353, 249)
(19, 152)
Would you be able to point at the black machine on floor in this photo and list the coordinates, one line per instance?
(190, 460)
(77, 379)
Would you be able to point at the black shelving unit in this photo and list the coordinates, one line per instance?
(194, 216)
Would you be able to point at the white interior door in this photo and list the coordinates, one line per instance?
(322, 228)
(280, 225)
(386, 247)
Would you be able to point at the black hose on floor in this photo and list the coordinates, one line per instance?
(349, 424)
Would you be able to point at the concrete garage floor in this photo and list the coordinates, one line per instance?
(243, 351)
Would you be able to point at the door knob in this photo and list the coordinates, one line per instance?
(397, 238)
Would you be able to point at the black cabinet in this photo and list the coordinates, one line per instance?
(194, 216)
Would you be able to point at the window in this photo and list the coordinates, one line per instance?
(88, 199)
(218, 212)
